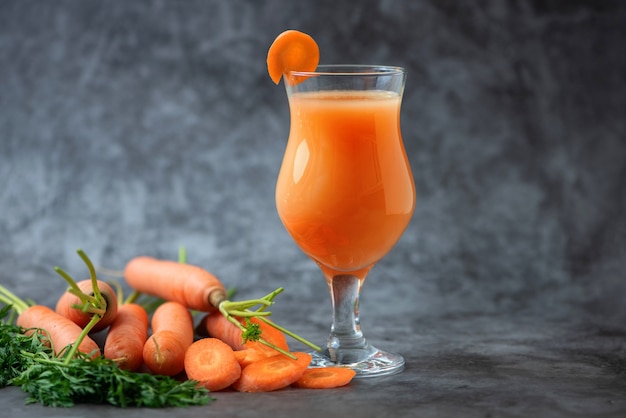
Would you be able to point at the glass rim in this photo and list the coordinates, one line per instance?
(350, 70)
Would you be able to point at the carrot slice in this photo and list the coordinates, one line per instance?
(253, 353)
(292, 50)
(325, 378)
(272, 373)
(212, 363)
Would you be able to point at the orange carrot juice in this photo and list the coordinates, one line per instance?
(345, 191)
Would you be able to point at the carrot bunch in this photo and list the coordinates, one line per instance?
(234, 345)
(77, 313)
(238, 346)
(86, 307)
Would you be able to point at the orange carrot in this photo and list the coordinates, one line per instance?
(218, 326)
(324, 378)
(127, 336)
(197, 289)
(172, 334)
(292, 50)
(61, 331)
(69, 305)
(85, 304)
(186, 284)
(212, 363)
(272, 373)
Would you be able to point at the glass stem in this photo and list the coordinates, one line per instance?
(346, 343)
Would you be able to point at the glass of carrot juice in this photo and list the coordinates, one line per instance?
(345, 191)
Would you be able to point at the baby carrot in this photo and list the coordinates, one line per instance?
(272, 373)
(186, 284)
(324, 378)
(172, 334)
(127, 336)
(212, 363)
(292, 50)
(61, 331)
(70, 305)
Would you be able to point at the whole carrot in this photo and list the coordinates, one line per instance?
(126, 337)
(70, 305)
(61, 331)
(172, 334)
(197, 289)
(186, 284)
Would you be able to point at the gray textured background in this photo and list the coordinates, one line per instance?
(136, 127)
(132, 128)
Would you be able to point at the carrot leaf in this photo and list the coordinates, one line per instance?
(26, 362)
(252, 332)
(100, 381)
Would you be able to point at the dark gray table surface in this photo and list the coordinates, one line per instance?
(130, 128)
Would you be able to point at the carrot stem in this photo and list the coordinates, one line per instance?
(241, 309)
(74, 289)
(92, 274)
(9, 298)
(291, 334)
(182, 255)
(231, 319)
(74, 347)
(132, 298)
(270, 297)
(96, 304)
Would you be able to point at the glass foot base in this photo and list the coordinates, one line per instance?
(375, 363)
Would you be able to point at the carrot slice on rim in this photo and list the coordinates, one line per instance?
(292, 50)
(325, 378)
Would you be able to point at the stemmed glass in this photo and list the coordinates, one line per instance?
(345, 191)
